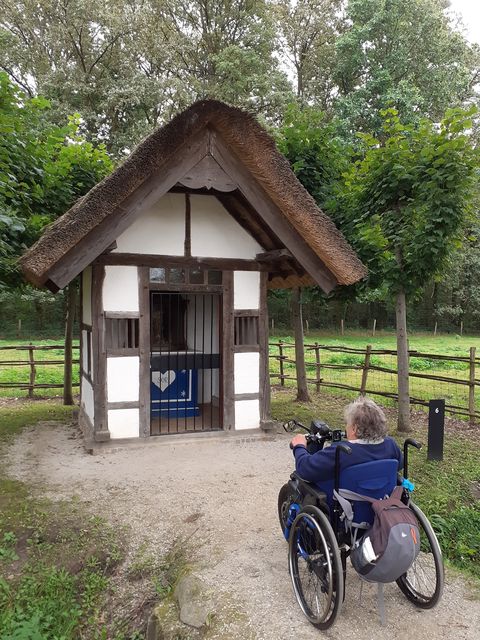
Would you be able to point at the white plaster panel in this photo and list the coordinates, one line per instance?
(120, 288)
(124, 423)
(123, 379)
(159, 230)
(216, 234)
(87, 398)
(247, 414)
(87, 295)
(246, 289)
(84, 351)
(247, 372)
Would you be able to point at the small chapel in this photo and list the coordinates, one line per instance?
(175, 252)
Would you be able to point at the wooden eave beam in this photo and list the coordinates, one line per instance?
(149, 260)
(274, 255)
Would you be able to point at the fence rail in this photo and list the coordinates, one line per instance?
(33, 365)
(347, 369)
(374, 372)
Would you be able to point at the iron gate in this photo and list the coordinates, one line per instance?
(185, 363)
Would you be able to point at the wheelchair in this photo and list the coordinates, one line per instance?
(319, 544)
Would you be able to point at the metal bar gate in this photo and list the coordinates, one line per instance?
(185, 362)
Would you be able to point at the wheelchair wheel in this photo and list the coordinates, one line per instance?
(423, 582)
(315, 567)
(285, 499)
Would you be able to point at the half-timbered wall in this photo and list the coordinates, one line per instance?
(247, 361)
(120, 302)
(161, 230)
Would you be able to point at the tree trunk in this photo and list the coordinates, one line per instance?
(302, 391)
(402, 364)
(69, 320)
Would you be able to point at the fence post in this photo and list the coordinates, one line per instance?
(19, 328)
(31, 359)
(366, 366)
(374, 326)
(341, 326)
(471, 390)
(280, 350)
(317, 365)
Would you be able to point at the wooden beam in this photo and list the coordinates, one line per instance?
(274, 255)
(144, 350)
(228, 364)
(208, 174)
(149, 260)
(99, 364)
(103, 234)
(242, 212)
(272, 215)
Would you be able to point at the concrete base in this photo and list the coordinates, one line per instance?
(245, 435)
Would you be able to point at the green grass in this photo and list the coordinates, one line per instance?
(380, 381)
(55, 558)
(445, 490)
(45, 374)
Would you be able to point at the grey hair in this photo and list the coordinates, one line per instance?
(367, 417)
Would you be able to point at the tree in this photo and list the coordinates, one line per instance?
(127, 66)
(406, 53)
(405, 205)
(309, 29)
(43, 170)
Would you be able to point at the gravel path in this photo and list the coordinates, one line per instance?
(223, 495)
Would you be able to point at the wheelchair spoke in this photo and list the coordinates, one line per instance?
(423, 582)
(313, 564)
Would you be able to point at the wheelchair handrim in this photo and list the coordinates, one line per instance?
(298, 595)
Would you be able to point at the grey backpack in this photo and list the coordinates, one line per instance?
(390, 546)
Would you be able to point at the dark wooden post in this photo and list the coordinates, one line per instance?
(302, 391)
(317, 365)
(280, 359)
(471, 390)
(67, 366)
(366, 366)
(402, 363)
(31, 359)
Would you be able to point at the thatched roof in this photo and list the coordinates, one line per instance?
(250, 143)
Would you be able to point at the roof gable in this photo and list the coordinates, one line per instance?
(213, 146)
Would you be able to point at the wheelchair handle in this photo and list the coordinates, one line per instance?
(340, 448)
(409, 442)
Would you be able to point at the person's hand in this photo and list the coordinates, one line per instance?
(298, 439)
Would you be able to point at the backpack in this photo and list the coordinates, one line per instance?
(390, 546)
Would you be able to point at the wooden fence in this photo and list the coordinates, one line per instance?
(33, 364)
(361, 371)
(323, 370)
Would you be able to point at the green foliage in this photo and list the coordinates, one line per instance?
(317, 154)
(406, 53)
(43, 170)
(105, 61)
(407, 199)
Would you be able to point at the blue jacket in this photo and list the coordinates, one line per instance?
(320, 466)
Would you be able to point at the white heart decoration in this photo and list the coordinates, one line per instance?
(166, 379)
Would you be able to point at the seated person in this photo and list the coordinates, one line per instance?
(366, 428)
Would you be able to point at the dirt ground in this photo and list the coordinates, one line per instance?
(222, 496)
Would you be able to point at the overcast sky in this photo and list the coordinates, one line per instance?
(470, 13)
